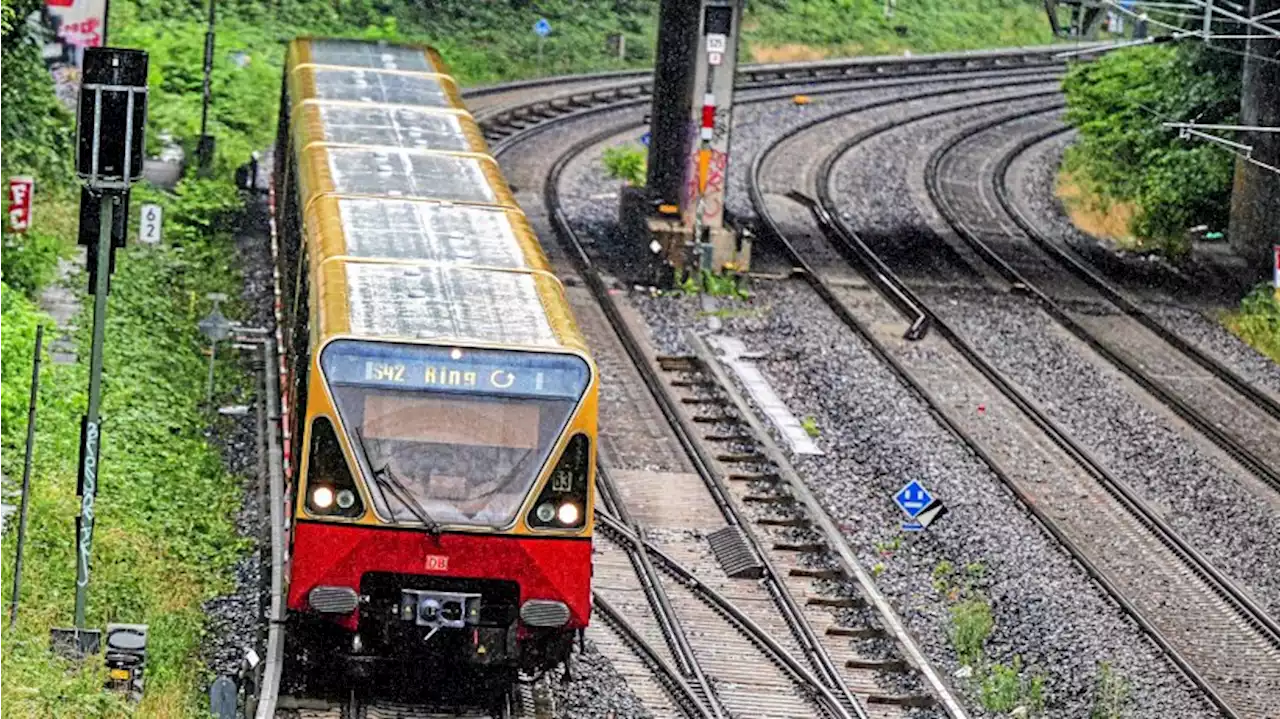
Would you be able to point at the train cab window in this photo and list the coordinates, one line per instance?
(331, 490)
(464, 446)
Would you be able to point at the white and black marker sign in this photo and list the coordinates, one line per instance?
(717, 42)
(150, 225)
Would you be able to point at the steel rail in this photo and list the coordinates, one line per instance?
(766, 76)
(665, 614)
(745, 624)
(831, 533)
(1222, 438)
(586, 268)
(273, 662)
(1090, 275)
(810, 69)
(1217, 582)
(670, 678)
(696, 454)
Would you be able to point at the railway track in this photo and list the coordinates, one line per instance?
(1239, 418)
(730, 482)
(1158, 578)
(515, 113)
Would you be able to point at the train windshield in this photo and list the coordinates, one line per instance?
(451, 435)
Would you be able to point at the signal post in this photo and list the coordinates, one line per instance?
(110, 127)
(680, 216)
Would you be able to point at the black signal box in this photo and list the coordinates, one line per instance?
(112, 117)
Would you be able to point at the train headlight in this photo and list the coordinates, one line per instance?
(568, 513)
(563, 501)
(322, 497)
(346, 499)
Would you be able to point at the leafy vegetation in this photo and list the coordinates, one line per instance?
(1257, 322)
(1112, 697)
(627, 163)
(1124, 155)
(725, 284)
(165, 540)
(810, 427)
(1000, 687)
(779, 30)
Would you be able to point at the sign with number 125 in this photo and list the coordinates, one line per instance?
(149, 226)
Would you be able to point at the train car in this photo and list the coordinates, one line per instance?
(441, 401)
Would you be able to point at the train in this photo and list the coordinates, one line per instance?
(439, 402)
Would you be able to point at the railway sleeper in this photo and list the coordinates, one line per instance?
(837, 602)
(816, 573)
(783, 521)
(742, 458)
(902, 700)
(801, 547)
(895, 665)
(855, 632)
(754, 477)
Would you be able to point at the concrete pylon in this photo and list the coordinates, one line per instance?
(1255, 196)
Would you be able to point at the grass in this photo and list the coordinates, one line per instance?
(810, 427)
(971, 625)
(1112, 695)
(165, 539)
(1257, 321)
(813, 29)
(1091, 214)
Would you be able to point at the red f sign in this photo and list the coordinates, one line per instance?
(20, 189)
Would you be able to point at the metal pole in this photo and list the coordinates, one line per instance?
(90, 438)
(26, 478)
(541, 40)
(204, 158)
(213, 352)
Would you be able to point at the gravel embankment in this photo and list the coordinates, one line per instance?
(1034, 176)
(597, 690)
(877, 435)
(1197, 493)
(236, 619)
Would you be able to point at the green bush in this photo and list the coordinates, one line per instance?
(29, 260)
(37, 128)
(971, 624)
(860, 26)
(1124, 154)
(627, 163)
(17, 342)
(1257, 322)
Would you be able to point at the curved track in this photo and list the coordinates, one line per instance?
(515, 114)
(1125, 545)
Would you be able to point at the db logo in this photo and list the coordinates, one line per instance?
(437, 563)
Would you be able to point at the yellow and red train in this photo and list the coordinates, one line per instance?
(440, 400)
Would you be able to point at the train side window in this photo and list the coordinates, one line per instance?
(331, 490)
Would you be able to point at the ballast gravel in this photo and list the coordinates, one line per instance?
(877, 436)
(1034, 178)
(596, 690)
(236, 620)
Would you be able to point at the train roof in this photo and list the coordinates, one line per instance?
(375, 55)
(396, 173)
(411, 231)
(393, 87)
(419, 301)
(402, 126)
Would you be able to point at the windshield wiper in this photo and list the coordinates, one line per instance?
(393, 487)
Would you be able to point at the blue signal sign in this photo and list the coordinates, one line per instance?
(644, 139)
(912, 499)
(542, 27)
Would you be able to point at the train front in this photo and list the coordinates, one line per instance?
(444, 509)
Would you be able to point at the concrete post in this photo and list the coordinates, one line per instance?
(706, 172)
(672, 93)
(1255, 195)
